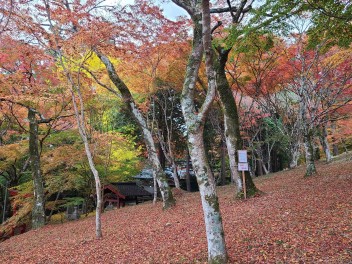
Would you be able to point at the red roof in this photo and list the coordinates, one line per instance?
(113, 189)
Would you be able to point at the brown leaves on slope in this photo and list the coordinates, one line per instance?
(296, 221)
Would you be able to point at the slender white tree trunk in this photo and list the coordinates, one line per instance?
(155, 188)
(266, 171)
(80, 118)
(325, 143)
(195, 125)
(159, 174)
(174, 174)
(231, 150)
(168, 200)
(79, 113)
(210, 203)
(194, 120)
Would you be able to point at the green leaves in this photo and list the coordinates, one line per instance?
(72, 201)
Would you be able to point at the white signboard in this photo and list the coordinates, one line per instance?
(243, 166)
(242, 156)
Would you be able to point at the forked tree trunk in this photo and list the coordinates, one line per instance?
(38, 211)
(266, 171)
(194, 121)
(168, 200)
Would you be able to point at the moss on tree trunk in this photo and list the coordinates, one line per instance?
(232, 123)
(38, 211)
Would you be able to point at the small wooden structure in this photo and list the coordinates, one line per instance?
(112, 197)
(120, 194)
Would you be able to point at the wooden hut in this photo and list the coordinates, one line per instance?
(122, 193)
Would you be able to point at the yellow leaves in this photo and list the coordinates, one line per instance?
(338, 56)
(61, 157)
(117, 156)
(94, 64)
(11, 153)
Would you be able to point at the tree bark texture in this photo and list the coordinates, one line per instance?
(79, 113)
(206, 182)
(38, 211)
(294, 154)
(168, 200)
(335, 149)
(306, 127)
(174, 174)
(194, 121)
(325, 143)
(309, 151)
(188, 176)
(232, 124)
(98, 208)
(223, 162)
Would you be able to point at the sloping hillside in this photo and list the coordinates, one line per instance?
(297, 220)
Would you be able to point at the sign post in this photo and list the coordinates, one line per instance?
(243, 166)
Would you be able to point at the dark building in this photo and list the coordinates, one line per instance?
(122, 193)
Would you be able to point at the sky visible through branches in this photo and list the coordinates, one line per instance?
(171, 10)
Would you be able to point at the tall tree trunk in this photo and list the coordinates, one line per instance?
(168, 200)
(188, 177)
(38, 211)
(232, 124)
(162, 157)
(194, 121)
(98, 209)
(174, 174)
(210, 203)
(80, 118)
(223, 162)
(155, 189)
(266, 171)
(309, 151)
(5, 205)
(259, 167)
(307, 129)
(335, 148)
(269, 160)
(294, 154)
(79, 113)
(325, 143)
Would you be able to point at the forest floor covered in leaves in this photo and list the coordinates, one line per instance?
(296, 220)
